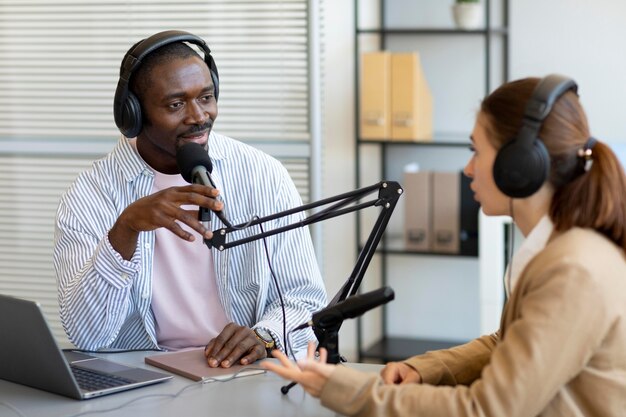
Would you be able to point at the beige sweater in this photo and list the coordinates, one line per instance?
(560, 350)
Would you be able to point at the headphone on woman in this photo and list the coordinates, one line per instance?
(522, 165)
(126, 106)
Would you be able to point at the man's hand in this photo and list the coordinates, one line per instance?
(232, 344)
(163, 209)
(400, 373)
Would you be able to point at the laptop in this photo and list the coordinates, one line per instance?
(30, 356)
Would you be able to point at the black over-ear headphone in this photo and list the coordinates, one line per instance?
(126, 106)
(522, 165)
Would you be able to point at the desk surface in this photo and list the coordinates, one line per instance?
(256, 395)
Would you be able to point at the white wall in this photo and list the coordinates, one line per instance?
(338, 151)
(582, 39)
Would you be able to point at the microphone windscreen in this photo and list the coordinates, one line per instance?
(190, 156)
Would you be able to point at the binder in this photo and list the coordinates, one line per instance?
(468, 235)
(455, 214)
(417, 213)
(411, 100)
(446, 212)
(375, 96)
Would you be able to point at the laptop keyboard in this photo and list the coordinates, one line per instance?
(95, 381)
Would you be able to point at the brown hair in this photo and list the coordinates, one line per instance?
(593, 199)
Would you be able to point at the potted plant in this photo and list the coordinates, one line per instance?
(468, 14)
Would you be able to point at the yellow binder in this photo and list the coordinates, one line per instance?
(375, 96)
(411, 100)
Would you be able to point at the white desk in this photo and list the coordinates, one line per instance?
(256, 395)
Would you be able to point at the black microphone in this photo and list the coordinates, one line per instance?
(349, 308)
(195, 166)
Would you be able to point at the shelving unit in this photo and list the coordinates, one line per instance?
(396, 348)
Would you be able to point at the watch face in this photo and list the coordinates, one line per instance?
(264, 335)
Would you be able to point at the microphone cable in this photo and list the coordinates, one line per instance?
(288, 348)
(243, 226)
(507, 280)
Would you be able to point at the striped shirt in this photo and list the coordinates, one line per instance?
(105, 300)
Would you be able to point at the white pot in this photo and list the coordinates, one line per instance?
(468, 16)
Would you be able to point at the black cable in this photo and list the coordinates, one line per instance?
(243, 226)
(269, 263)
(288, 348)
(511, 250)
(286, 388)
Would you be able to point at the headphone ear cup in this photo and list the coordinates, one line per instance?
(215, 77)
(131, 116)
(519, 170)
(216, 84)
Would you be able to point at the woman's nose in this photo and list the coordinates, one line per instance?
(468, 169)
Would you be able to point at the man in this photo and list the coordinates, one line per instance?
(133, 271)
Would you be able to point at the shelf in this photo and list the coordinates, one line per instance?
(432, 31)
(439, 139)
(391, 251)
(395, 245)
(391, 349)
(398, 249)
(434, 143)
(443, 150)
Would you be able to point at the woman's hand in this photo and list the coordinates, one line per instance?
(310, 373)
(400, 373)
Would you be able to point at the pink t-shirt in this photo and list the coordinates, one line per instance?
(185, 299)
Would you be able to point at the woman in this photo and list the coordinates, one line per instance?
(561, 346)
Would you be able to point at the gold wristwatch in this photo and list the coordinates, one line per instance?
(266, 338)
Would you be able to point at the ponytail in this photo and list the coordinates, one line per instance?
(596, 198)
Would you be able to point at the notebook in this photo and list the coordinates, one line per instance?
(30, 356)
(192, 364)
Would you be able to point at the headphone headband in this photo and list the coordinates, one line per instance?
(522, 165)
(545, 94)
(146, 46)
(126, 106)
